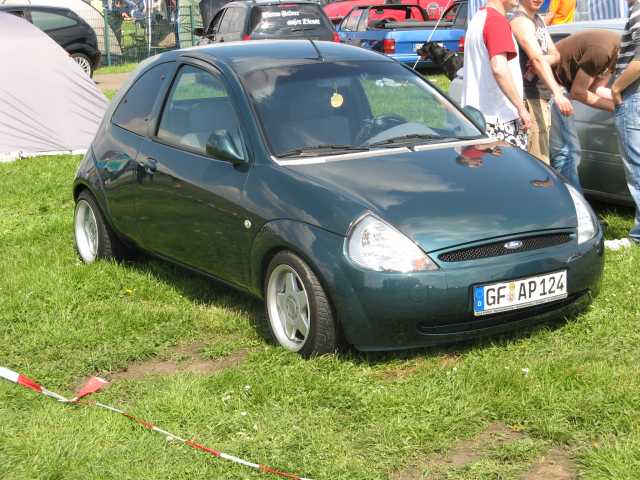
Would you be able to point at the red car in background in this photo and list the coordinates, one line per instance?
(336, 11)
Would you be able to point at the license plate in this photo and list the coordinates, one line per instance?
(500, 297)
(417, 46)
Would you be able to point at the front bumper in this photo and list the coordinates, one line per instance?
(390, 311)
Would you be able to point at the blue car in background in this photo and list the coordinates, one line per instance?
(399, 30)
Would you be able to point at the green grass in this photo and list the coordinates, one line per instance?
(124, 68)
(352, 416)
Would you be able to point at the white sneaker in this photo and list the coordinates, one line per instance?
(617, 244)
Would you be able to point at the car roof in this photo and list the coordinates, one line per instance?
(25, 6)
(263, 54)
(260, 3)
(570, 28)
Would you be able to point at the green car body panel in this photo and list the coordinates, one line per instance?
(227, 221)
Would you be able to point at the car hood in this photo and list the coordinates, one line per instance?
(448, 196)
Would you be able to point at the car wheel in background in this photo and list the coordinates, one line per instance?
(84, 62)
(94, 238)
(299, 313)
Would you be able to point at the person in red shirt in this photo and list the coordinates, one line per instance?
(492, 76)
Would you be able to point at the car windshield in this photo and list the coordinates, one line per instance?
(325, 108)
(287, 18)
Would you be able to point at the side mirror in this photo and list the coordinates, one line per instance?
(198, 32)
(221, 146)
(476, 116)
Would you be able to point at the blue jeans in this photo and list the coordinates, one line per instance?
(564, 146)
(628, 125)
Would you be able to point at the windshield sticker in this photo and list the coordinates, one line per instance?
(336, 100)
(283, 13)
(388, 82)
(305, 21)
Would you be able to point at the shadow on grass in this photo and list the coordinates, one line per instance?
(206, 291)
(463, 347)
(203, 290)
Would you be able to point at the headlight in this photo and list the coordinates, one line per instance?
(586, 224)
(375, 245)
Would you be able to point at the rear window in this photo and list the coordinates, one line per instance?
(285, 18)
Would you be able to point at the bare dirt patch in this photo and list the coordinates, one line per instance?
(110, 81)
(462, 453)
(555, 465)
(189, 361)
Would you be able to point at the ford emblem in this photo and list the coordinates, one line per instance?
(513, 245)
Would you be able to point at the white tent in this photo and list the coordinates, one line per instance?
(89, 11)
(47, 103)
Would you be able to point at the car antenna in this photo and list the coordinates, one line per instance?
(320, 57)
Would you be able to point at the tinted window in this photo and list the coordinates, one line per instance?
(51, 21)
(286, 18)
(198, 106)
(134, 109)
(232, 22)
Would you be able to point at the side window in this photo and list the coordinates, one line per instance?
(362, 23)
(450, 14)
(352, 21)
(232, 22)
(215, 23)
(135, 108)
(461, 17)
(47, 21)
(197, 108)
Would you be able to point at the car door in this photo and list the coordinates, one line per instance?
(116, 151)
(189, 202)
(601, 167)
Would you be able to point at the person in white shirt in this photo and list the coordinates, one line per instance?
(492, 76)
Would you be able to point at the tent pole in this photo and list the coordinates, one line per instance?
(105, 33)
(148, 28)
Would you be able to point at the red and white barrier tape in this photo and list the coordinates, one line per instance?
(95, 383)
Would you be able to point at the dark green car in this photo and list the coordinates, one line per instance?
(342, 188)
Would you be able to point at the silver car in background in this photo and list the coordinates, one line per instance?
(601, 169)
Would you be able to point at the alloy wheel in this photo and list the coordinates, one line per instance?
(288, 307)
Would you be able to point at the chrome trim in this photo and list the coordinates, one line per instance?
(339, 157)
(457, 143)
(380, 152)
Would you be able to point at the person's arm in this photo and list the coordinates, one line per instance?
(581, 90)
(553, 57)
(525, 33)
(502, 74)
(630, 75)
(553, 10)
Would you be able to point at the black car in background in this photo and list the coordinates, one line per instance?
(66, 28)
(250, 20)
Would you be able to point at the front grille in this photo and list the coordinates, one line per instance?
(498, 249)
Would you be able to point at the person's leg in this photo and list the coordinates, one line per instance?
(538, 143)
(564, 146)
(628, 125)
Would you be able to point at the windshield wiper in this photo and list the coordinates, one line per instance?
(334, 149)
(402, 139)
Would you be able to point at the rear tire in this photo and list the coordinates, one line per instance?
(298, 310)
(84, 62)
(94, 238)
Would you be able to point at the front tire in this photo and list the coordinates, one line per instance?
(298, 310)
(95, 239)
